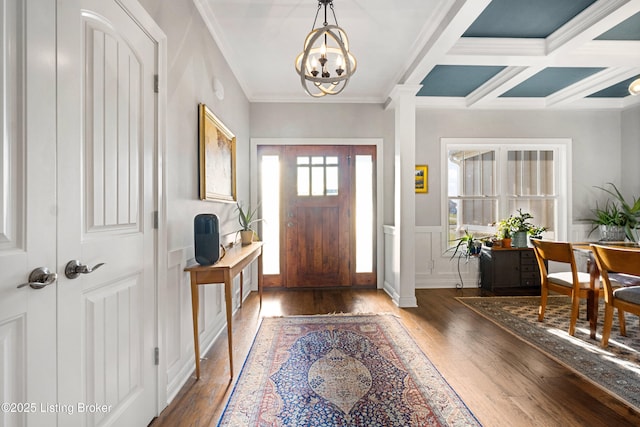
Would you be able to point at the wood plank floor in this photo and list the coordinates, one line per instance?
(502, 380)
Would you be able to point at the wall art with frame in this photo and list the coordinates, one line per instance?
(422, 179)
(217, 158)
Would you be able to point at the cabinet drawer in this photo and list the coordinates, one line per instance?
(527, 255)
(526, 268)
(530, 282)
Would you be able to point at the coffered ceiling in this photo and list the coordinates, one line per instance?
(571, 54)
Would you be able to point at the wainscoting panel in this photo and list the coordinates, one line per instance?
(179, 324)
(435, 268)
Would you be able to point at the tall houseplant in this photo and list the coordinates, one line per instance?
(466, 247)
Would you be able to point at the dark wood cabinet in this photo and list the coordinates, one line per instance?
(513, 270)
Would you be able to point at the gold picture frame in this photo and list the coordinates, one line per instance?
(217, 158)
(422, 179)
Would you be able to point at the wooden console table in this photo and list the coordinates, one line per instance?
(234, 261)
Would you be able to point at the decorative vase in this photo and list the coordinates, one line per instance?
(611, 233)
(519, 239)
(506, 243)
(246, 236)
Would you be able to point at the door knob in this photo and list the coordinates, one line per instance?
(39, 278)
(74, 269)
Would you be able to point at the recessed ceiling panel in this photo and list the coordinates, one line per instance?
(456, 80)
(525, 18)
(548, 81)
(626, 30)
(620, 90)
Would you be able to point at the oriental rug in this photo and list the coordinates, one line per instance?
(340, 370)
(615, 369)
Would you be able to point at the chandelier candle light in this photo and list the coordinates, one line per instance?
(325, 47)
(634, 87)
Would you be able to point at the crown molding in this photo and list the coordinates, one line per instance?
(211, 22)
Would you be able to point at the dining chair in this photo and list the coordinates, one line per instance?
(571, 282)
(612, 260)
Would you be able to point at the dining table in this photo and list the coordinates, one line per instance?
(594, 277)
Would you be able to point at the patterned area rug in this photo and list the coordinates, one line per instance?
(616, 369)
(340, 370)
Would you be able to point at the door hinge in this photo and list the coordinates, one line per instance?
(156, 356)
(156, 84)
(155, 220)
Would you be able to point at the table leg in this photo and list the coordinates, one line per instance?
(195, 303)
(241, 285)
(228, 281)
(592, 301)
(260, 277)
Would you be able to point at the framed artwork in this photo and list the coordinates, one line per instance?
(422, 179)
(217, 158)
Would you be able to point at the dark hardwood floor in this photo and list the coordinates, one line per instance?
(502, 380)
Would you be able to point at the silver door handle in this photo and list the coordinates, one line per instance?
(74, 269)
(39, 278)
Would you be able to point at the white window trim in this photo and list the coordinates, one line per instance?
(562, 167)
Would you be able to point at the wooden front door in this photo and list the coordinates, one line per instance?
(317, 216)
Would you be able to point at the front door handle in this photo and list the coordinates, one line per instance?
(74, 268)
(39, 278)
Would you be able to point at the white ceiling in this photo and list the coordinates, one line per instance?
(401, 41)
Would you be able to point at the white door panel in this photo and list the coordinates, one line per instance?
(27, 211)
(106, 326)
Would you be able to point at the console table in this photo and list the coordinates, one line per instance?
(232, 264)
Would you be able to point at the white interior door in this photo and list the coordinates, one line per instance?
(27, 212)
(107, 140)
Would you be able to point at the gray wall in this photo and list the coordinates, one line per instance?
(631, 152)
(193, 59)
(595, 153)
(324, 120)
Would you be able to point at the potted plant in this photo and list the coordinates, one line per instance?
(467, 245)
(518, 227)
(610, 220)
(246, 218)
(504, 233)
(620, 213)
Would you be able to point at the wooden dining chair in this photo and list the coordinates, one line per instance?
(612, 260)
(571, 282)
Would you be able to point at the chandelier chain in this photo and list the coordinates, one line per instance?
(316, 18)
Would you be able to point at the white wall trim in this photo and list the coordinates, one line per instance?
(153, 30)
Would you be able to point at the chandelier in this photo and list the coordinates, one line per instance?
(325, 65)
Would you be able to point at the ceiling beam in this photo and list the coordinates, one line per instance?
(457, 19)
(591, 84)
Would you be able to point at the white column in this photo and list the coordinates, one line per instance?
(404, 265)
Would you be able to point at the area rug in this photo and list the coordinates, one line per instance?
(615, 369)
(340, 370)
